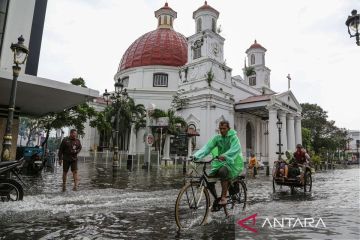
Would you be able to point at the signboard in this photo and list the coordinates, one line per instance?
(149, 140)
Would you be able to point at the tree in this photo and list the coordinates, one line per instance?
(72, 117)
(29, 128)
(314, 119)
(128, 111)
(325, 137)
(78, 82)
(306, 138)
(102, 121)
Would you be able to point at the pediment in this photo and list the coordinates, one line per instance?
(288, 99)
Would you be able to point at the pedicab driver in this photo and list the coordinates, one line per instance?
(229, 164)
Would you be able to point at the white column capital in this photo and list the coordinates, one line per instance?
(290, 117)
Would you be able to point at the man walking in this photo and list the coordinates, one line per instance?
(68, 151)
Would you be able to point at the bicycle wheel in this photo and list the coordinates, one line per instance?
(307, 181)
(237, 198)
(10, 190)
(192, 205)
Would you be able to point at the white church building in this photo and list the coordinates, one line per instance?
(163, 63)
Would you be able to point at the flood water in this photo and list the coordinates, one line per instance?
(139, 204)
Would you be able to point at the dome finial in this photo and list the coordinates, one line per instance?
(166, 4)
(205, 2)
(255, 41)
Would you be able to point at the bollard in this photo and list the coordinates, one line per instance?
(129, 162)
(267, 170)
(184, 165)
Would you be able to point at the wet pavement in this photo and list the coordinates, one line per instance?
(139, 204)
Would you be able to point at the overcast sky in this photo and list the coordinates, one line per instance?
(306, 38)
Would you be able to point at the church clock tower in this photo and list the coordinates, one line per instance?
(205, 80)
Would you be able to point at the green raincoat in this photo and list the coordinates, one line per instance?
(229, 147)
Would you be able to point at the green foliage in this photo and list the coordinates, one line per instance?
(127, 113)
(306, 138)
(78, 82)
(29, 128)
(316, 159)
(324, 135)
(209, 77)
(249, 71)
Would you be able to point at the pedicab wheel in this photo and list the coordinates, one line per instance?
(192, 206)
(10, 190)
(307, 181)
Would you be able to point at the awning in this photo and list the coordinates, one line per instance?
(254, 105)
(38, 96)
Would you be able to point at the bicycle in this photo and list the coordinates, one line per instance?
(193, 202)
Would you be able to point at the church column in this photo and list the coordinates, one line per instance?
(258, 139)
(273, 136)
(242, 133)
(167, 147)
(263, 140)
(298, 138)
(291, 132)
(283, 132)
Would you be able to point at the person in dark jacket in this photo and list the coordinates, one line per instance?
(68, 151)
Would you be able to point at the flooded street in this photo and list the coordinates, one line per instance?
(139, 204)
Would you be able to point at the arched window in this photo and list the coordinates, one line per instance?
(197, 49)
(171, 21)
(213, 26)
(198, 25)
(252, 59)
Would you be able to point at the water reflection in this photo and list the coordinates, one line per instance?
(138, 204)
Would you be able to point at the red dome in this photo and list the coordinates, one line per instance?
(162, 46)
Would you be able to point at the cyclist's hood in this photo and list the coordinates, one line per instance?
(231, 132)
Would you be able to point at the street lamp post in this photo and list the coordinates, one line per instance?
(20, 55)
(279, 126)
(353, 23)
(116, 98)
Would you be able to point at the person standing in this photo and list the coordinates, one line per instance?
(253, 164)
(68, 151)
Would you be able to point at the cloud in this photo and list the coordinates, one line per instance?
(305, 38)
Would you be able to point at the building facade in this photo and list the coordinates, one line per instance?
(163, 63)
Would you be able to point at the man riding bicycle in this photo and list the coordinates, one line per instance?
(229, 164)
